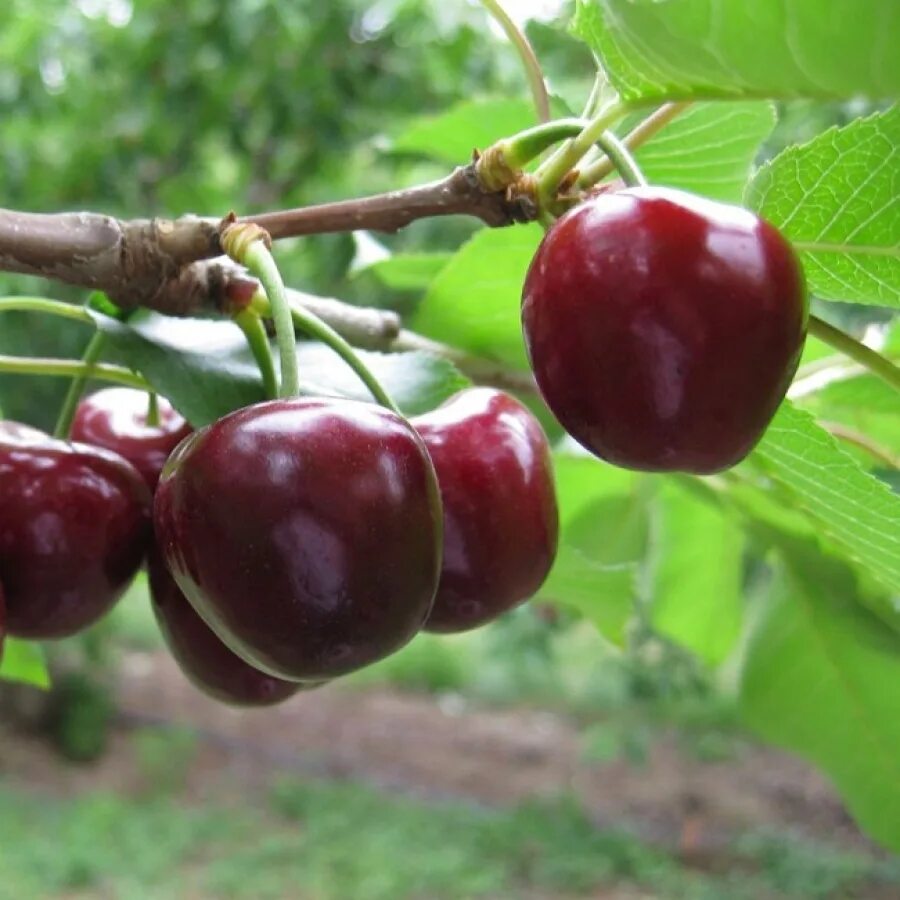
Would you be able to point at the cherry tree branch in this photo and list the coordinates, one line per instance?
(126, 259)
(460, 193)
(160, 263)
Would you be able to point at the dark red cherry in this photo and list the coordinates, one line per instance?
(306, 532)
(500, 520)
(74, 527)
(2, 620)
(663, 328)
(203, 658)
(116, 418)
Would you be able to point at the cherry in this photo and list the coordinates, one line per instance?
(663, 328)
(500, 520)
(206, 661)
(116, 418)
(306, 532)
(2, 619)
(74, 526)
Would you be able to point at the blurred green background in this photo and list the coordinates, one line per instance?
(161, 108)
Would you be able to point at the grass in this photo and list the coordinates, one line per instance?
(344, 841)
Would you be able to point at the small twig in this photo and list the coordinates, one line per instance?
(460, 193)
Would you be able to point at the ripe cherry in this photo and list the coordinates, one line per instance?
(663, 328)
(306, 532)
(2, 620)
(203, 658)
(500, 519)
(74, 526)
(116, 418)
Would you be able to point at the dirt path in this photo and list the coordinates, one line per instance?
(445, 748)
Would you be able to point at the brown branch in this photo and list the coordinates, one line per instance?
(460, 193)
(161, 263)
(131, 260)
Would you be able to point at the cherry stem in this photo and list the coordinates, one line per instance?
(250, 323)
(639, 135)
(72, 368)
(856, 350)
(501, 163)
(258, 259)
(48, 307)
(863, 441)
(625, 163)
(526, 53)
(76, 388)
(596, 94)
(152, 419)
(312, 325)
(523, 147)
(551, 173)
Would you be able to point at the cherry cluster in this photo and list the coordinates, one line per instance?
(297, 540)
(289, 542)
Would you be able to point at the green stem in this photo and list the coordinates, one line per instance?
(856, 350)
(152, 419)
(76, 388)
(526, 54)
(625, 163)
(596, 94)
(249, 322)
(521, 148)
(639, 135)
(313, 326)
(552, 172)
(72, 368)
(49, 307)
(862, 441)
(258, 259)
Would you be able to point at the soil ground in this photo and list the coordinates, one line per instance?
(444, 747)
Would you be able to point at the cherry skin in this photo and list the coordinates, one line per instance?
(116, 418)
(74, 527)
(306, 533)
(500, 518)
(663, 328)
(204, 659)
(2, 620)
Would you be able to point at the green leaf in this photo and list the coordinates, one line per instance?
(709, 149)
(205, 368)
(474, 301)
(696, 596)
(838, 200)
(855, 511)
(819, 676)
(709, 49)
(408, 271)
(24, 661)
(416, 381)
(603, 533)
(451, 136)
